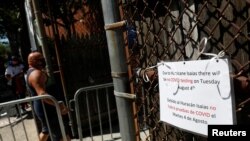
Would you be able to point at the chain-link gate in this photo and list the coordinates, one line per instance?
(77, 44)
(171, 31)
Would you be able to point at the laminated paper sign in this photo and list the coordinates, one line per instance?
(195, 94)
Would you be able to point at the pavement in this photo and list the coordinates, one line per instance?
(17, 129)
(24, 128)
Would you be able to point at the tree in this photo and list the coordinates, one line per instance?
(4, 51)
(13, 22)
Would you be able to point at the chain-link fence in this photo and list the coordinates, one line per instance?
(163, 30)
(158, 30)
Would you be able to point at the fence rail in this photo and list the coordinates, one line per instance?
(15, 133)
(96, 103)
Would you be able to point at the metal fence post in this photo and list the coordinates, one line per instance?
(119, 70)
(42, 39)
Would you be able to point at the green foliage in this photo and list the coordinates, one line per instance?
(9, 17)
(12, 21)
(4, 51)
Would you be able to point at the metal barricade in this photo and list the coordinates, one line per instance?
(98, 97)
(16, 126)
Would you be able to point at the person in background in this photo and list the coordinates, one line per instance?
(37, 85)
(14, 74)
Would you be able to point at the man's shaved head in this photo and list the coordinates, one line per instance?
(36, 60)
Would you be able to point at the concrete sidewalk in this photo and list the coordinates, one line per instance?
(17, 129)
(24, 129)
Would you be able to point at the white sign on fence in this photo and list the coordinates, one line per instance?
(194, 94)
